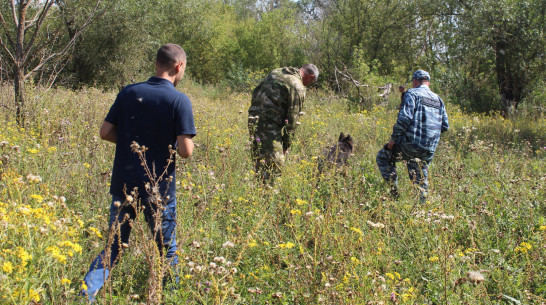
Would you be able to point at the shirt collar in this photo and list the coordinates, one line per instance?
(159, 80)
(424, 86)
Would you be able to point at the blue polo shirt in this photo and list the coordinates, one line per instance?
(153, 114)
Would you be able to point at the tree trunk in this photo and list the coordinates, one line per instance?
(18, 67)
(510, 84)
(19, 83)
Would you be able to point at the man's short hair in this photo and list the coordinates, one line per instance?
(170, 54)
(311, 69)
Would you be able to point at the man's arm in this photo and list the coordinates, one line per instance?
(405, 116)
(108, 132)
(294, 104)
(185, 146)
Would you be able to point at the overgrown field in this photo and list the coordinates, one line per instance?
(332, 239)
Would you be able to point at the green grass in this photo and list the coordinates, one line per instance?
(333, 239)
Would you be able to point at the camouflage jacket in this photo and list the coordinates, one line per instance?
(421, 120)
(277, 102)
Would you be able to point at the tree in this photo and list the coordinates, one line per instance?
(370, 38)
(496, 43)
(32, 39)
(117, 48)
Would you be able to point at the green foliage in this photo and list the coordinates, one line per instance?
(535, 100)
(207, 36)
(117, 48)
(484, 55)
(498, 46)
(472, 90)
(349, 31)
(274, 40)
(241, 79)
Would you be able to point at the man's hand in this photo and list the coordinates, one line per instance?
(390, 145)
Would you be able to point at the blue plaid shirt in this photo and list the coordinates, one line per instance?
(421, 119)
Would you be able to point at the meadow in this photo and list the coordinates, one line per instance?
(335, 238)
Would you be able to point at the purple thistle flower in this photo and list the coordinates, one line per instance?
(393, 296)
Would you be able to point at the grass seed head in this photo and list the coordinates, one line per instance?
(475, 277)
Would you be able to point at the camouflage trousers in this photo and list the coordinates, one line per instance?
(417, 164)
(267, 153)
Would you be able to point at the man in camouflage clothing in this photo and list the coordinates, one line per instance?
(415, 136)
(273, 115)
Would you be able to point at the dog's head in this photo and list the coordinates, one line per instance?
(347, 140)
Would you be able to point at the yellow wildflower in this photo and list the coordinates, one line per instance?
(295, 212)
(56, 253)
(300, 202)
(37, 197)
(433, 258)
(7, 267)
(95, 231)
(524, 247)
(470, 250)
(24, 256)
(77, 248)
(34, 296)
(65, 281)
(357, 230)
(288, 245)
(408, 294)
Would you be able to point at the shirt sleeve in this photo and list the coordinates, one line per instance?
(113, 113)
(183, 118)
(405, 116)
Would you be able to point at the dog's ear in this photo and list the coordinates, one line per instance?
(341, 136)
(348, 138)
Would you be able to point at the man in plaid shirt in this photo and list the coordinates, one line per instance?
(415, 136)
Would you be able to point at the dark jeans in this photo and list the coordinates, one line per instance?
(120, 228)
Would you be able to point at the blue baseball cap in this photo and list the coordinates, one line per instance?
(421, 74)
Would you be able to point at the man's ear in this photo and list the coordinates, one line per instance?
(178, 67)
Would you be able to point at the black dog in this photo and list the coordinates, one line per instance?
(338, 153)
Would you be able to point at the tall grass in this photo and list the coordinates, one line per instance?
(330, 239)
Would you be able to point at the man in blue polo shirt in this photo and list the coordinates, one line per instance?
(147, 122)
(415, 136)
